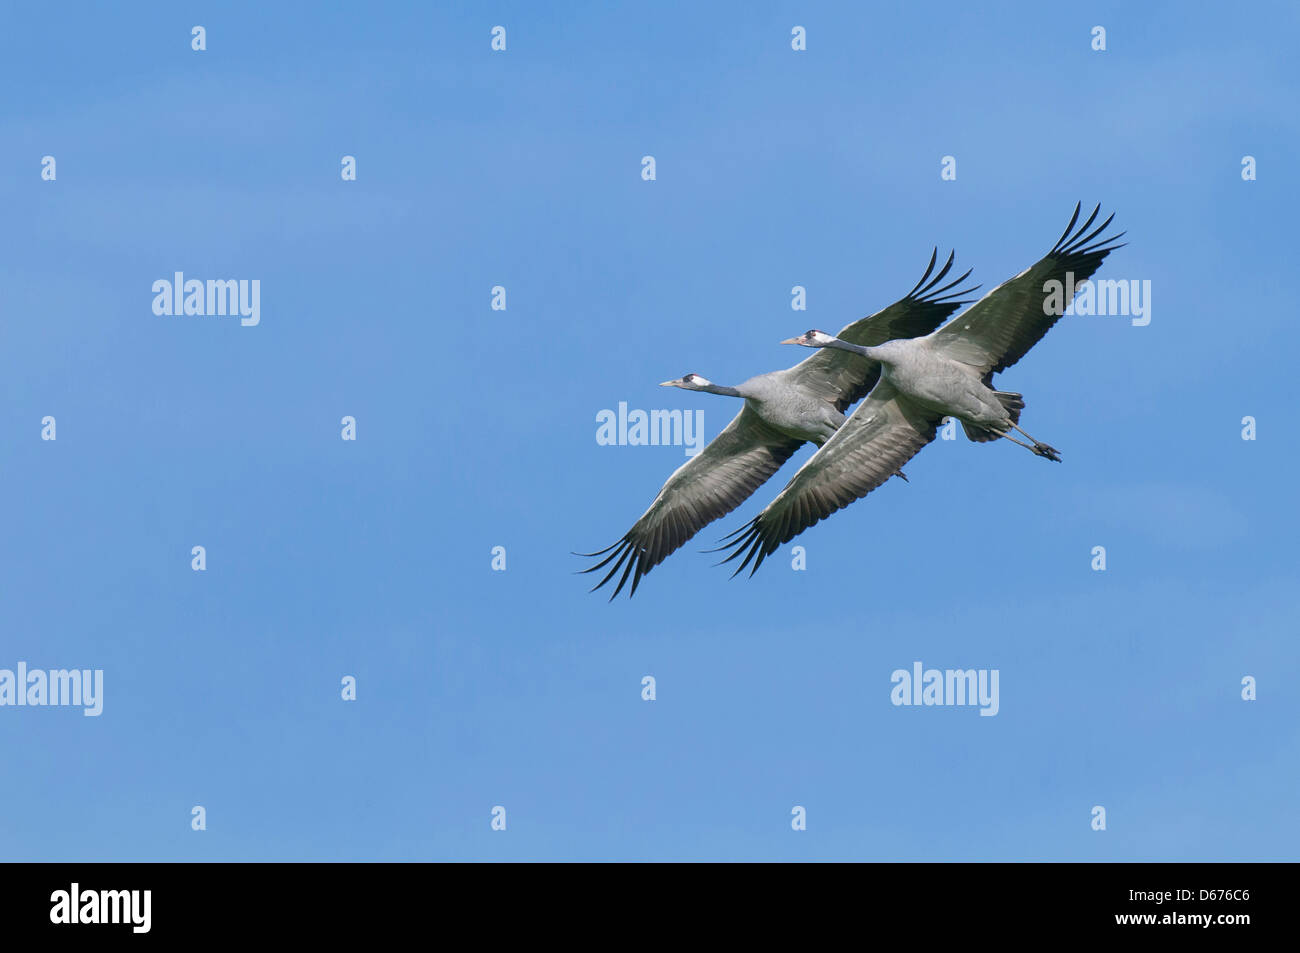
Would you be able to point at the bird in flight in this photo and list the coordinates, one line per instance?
(782, 411)
(947, 373)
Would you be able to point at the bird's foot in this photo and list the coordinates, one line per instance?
(1043, 450)
(902, 476)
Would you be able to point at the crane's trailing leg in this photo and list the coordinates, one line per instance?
(1038, 447)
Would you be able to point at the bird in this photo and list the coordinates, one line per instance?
(946, 373)
(782, 411)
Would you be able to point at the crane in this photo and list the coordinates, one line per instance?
(947, 373)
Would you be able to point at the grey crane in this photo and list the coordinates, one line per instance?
(947, 373)
(782, 411)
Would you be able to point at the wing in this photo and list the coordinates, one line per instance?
(710, 485)
(844, 378)
(1001, 327)
(883, 434)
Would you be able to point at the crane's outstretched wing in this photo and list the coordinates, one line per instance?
(843, 377)
(1001, 327)
(884, 433)
(709, 485)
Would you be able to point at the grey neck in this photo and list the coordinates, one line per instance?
(721, 389)
(854, 348)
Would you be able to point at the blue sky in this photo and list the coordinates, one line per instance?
(476, 428)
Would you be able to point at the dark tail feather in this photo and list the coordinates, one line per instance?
(978, 434)
(1013, 402)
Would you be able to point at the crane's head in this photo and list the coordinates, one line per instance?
(689, 382)
(813, 338)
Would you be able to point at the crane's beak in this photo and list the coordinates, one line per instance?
(669, 383)
(798, 340)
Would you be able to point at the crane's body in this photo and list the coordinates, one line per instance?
(937, 382)
(933, 381)
(794, 409)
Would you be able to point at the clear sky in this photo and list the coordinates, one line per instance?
(476, 428)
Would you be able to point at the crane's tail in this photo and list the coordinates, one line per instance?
(1013, 403)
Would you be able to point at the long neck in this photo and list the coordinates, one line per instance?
(871, 352)
(721, 389)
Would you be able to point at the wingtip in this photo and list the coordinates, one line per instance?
(1078, 206)
(934, 257)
